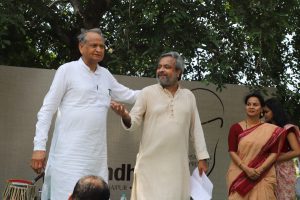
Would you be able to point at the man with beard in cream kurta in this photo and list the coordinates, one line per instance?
(169, 115)
(81, 93)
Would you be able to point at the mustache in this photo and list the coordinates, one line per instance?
(161, 74)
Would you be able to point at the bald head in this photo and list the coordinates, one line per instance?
(90, 188)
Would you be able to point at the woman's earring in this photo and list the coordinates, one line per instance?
(261, 114)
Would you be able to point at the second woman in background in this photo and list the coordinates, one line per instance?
(285, 169)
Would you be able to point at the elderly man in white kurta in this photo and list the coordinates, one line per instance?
(169, 116)
(81, 92)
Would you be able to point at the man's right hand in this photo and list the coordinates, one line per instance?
(122, 111)
(38, 161)
(119, 109)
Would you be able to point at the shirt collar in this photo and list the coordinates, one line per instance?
(167, 91)
(87, 67)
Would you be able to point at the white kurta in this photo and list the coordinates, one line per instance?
(82, 99)
(162, 164)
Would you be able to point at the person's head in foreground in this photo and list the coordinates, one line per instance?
(90, 188)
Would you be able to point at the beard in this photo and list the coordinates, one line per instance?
(166, 81)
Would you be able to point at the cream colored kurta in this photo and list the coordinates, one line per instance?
(162, 165)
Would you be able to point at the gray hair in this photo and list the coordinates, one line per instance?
(179, 64)
(82, 36)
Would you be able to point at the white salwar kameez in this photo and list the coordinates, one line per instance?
(162, 165)
(78, 148)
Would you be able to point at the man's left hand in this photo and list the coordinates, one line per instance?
(202, 166)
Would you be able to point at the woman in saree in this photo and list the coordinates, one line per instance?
(285, 169)
(253, 148)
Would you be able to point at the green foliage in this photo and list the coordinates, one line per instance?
(250, 42)
(272, 29)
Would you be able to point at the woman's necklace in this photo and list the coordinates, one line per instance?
(251, 125)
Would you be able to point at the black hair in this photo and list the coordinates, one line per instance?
(280, 117)
(257, 95)
(91, 188)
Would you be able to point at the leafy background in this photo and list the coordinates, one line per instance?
(251, 42)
